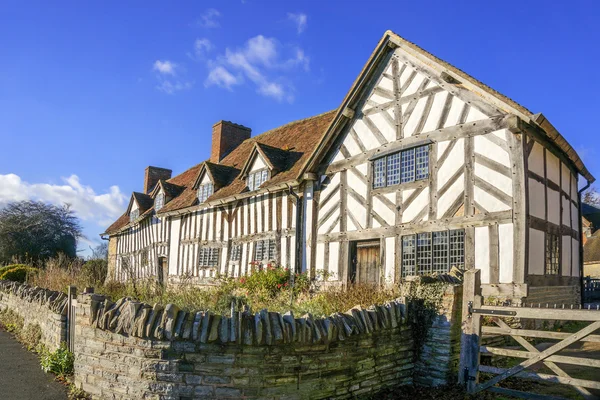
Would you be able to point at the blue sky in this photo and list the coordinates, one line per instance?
(93, 92)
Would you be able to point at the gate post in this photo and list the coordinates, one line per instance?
(72, 292)
(471, 330)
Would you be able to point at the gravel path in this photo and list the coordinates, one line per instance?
(21, 377)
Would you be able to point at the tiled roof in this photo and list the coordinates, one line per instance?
(144, 201)
(591, 249)
(289, 146)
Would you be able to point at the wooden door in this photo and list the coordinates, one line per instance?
(368, 268)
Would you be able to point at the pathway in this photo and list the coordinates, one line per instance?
(21, 377)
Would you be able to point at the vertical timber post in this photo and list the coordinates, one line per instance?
(71, 293)
(471, 330)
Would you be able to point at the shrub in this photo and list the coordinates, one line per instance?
(94, 271)
(11, 321)
(18, 273)
(59, 362)
(9, 267)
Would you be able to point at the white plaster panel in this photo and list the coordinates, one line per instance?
(416, 206)
(406, 194)
(205, 179)
(445, 201)
(552, 167)
(494, 178)
(414, 85)
(333, 202)
(405, 74)
(376, 224)
(455, 160)
(350, 226)
(475, 115)
(489, 202)
(389, 259)
(258, 163)
(436, 111)
(174, 245)
(358, 210)
(501, 133)
(383, 210)
(134, 205)
(357, 184)
(364, 133)
(334, 270)
(553, 206)
(391, 197)
(566, 211)
(337, 156)
(566, 177)
(376, 98)
(455, 111)
(575, 255)
(482, 252)
(330, 221)
(575, 217)
(362, 168)
(441, 147)
(386, 83)
(537, 199)
(506, 251)
(292, 251)
(537, 248)
(574, 184)
(566, 256)
(283, 251)
(351, 145)
(415, 117)
(384, 127)
(320, 256)
(491, 150)
(536, 159)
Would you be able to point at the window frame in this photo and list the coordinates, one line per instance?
(251, 179)
(236, 253)
(158, 205)
(201, 192)
(268, 248)
(390, 169)
(552, 255)
(134, 214)
(207, 257)
(441, 250)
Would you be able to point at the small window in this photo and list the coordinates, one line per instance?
(433, 252)
(144, 258)
(159, 202)
(204, 192)
(208, 257)
(552, 254)
(133, 215)
(264, 250)
(401, 167)
(236, 252)
(256, 179)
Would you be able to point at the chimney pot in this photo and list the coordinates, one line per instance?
(153, 175)
(226, 136)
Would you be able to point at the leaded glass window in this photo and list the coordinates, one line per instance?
(256, 179)
(133, 215)
(208, 257)
(401, 167)
(552, 254)
(264, 250)
(408, 255)
(433, 252)
(159, 202)
(204, 192)
(236, 252)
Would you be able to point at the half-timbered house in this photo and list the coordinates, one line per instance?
(422, 168)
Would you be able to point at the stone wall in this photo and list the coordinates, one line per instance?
(551, 295)
(46, 308)
(438, 361)
(133, 350)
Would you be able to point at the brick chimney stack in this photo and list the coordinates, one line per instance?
(153, 175)
(226, 136)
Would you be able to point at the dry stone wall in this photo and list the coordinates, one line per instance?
(46, 308)
(132, 350)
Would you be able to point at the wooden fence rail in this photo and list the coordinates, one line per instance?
(471, 349)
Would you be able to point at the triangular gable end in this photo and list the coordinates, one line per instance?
(203, 174)
(404, 91)
(257, 160)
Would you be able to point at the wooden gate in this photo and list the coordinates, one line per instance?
(471, 349)
(366, 262)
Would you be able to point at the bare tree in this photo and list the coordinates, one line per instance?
(35, 231)
(591, 196)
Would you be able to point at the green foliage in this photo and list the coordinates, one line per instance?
(10, 266)
(94, 271)
(30, 336)
(35, 231)
(18, 273)
(11, 321)
(59, 362)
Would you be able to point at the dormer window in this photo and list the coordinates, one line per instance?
(204, 192)
(134, 214)
(257, 178)
(159, 202)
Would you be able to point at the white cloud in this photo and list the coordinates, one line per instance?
(165, 67)
(202, 46)
(209, 19)
(300, 20)
(88, 205)
(170, 87)
(220, 76)
(260, 61)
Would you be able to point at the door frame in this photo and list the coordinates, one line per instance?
(353, 257)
